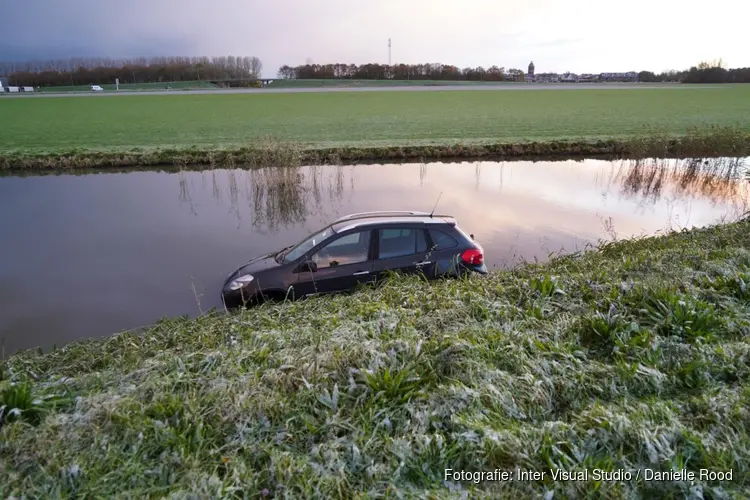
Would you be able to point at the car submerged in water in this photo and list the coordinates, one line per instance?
(357, 249)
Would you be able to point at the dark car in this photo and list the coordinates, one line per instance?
(357, 248)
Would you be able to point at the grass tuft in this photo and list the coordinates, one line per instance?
(22, 401)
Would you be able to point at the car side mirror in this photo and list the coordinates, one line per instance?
(308, 266)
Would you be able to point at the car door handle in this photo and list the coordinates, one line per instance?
(361, 273)
(422, 263)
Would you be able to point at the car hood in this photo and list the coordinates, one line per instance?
(256, 265)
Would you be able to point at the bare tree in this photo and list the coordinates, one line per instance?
(90, 70)
(256, 66)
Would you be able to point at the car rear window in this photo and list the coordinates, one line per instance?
(441, 240)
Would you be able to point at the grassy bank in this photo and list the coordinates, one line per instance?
(694, 143)
(633, 357)
(153, 129)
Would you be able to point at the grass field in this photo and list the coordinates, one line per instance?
(132, 86)
(363, 119)
(360, 119)
(630, 358)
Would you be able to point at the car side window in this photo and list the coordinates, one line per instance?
(349, 239)
(350, 249)
(400, 242)
(441, 240)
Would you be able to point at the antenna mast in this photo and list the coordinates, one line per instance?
(389, 52)
(438, 201)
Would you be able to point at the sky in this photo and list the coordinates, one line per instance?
(582, 36)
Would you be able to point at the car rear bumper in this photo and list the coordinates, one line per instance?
(481, 269)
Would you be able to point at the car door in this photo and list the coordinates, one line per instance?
(339, 264)
(403, 249)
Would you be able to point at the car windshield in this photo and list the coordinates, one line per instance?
(299, 250)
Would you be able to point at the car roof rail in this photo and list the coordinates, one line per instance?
(384, 213)
(345, 224)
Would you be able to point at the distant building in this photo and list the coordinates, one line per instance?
(547, 78)
(530, 74)
(630, 76)
(569, 78)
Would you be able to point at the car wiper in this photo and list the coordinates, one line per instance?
(279, 257)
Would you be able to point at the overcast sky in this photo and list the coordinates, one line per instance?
(578, 35)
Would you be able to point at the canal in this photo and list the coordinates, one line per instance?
(89, 255)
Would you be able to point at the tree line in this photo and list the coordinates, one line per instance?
(705, 72)
(98, 70)
(429, 71)
(716, 73)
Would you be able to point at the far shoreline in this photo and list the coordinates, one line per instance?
(711, 142)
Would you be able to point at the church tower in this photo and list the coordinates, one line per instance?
(531, 68)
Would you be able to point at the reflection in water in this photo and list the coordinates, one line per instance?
(283, 197)
(717, 179)
(633, 195)
(185, 191)
(142, 245)
(278, 196)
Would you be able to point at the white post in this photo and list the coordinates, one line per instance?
(390, 69)
(117, 84)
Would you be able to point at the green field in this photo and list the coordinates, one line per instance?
(363, 118)
(132, 86)
(634, 357)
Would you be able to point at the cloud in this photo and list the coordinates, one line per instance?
(149, 46)
(581, 35)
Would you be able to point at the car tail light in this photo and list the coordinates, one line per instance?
(473, 256)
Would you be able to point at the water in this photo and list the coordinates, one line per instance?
(89, 255)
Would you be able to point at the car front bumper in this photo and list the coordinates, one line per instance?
(237, 298)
